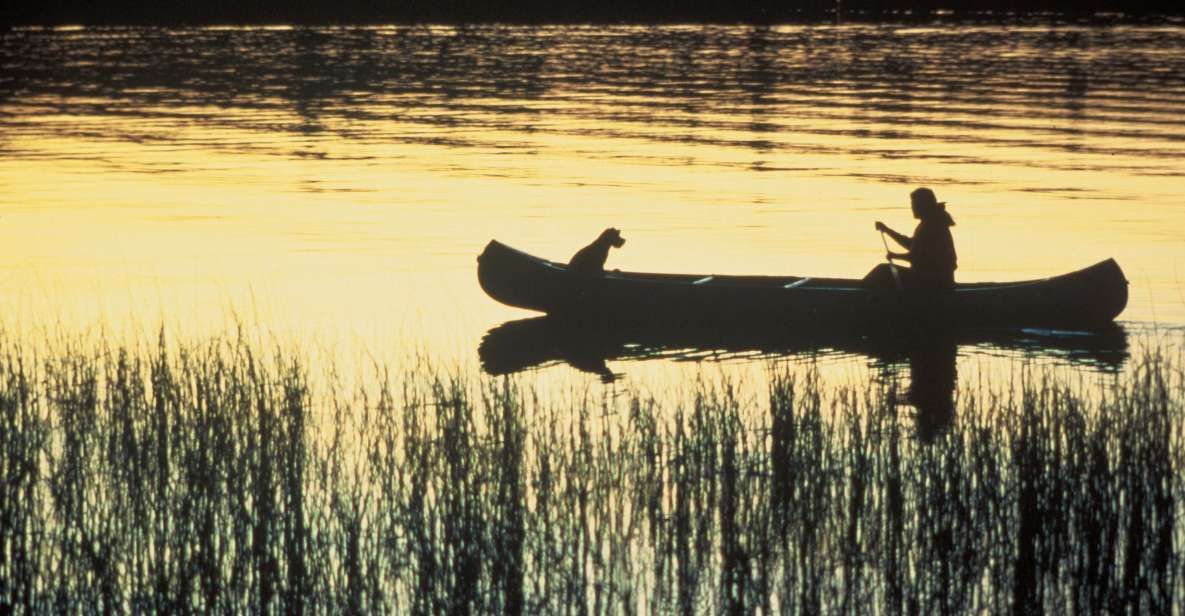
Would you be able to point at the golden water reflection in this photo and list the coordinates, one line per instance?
(342, 181)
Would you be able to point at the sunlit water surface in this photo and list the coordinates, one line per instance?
(334, 185)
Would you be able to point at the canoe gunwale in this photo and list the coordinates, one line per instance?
(740, 280)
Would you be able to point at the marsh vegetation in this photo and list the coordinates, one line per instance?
(228, 476)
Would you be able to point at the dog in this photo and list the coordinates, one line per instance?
(590, 260)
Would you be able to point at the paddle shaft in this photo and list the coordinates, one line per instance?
(892, 267)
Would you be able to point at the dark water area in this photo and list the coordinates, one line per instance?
(321, 12)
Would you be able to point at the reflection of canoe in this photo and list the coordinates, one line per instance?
(1086, 298)
(526, 344)
(529, 343)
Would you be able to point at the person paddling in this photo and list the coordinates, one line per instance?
(931, 250)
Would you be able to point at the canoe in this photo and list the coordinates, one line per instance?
(1088, 298)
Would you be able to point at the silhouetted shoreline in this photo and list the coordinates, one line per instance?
(141, 12)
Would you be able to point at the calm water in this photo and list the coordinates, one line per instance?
(337, 183)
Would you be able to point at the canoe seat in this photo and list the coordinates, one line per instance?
(797, 283)
(703, 280)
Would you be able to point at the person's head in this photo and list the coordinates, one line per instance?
(612, 237)
(927, 207)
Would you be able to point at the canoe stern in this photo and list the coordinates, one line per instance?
(517, 279)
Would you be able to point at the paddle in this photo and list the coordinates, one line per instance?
(892, 267)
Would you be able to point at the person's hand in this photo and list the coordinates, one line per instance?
(890, 256)
(880, 226)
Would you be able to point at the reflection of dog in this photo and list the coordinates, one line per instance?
(590, 260)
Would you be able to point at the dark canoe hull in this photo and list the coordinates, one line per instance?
(1091, 297)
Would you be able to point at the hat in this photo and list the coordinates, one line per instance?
(929, 206)
(925, 196)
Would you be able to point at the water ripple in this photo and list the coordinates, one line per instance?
(1086, 91)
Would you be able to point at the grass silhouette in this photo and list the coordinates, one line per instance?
(217, 477)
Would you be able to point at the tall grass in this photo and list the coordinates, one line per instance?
(216, 477)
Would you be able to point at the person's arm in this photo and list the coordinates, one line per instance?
(904, 240)
(900, 256)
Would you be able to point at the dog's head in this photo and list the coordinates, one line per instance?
(612, 237)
